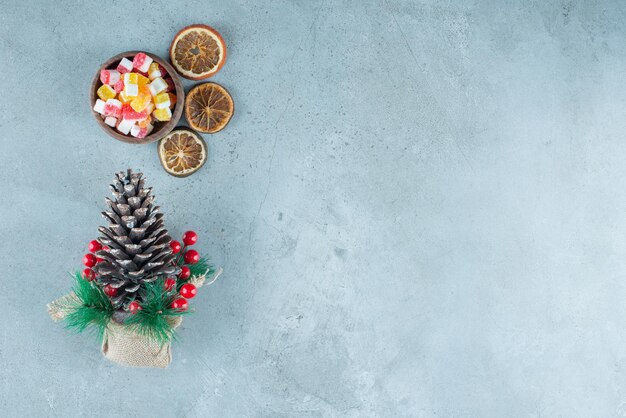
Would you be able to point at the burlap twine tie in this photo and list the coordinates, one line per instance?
(125, 346)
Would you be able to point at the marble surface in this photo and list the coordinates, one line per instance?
(420, 208)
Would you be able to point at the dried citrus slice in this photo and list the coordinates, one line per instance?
(197, 52)
(209, 107)
(182, 152)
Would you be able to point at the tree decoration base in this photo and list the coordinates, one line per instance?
(135, 289)
(124, 345)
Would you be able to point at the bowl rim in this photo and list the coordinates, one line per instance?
(164, 129)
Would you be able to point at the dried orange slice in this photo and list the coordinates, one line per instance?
(182, 152)
(209, 107)
(197, 52)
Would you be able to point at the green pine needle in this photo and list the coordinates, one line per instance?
(201, 267)
(91, 310)
(153, 320)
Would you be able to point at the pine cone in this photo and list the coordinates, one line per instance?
(139, 250)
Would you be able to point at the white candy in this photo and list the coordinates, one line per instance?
(126, 64)
(131, 90)
(157, 86)
(134, 131)
(146, 65)
(114, 103)
(114, 77)
(125, 126)
(99, 106)
(111, 121)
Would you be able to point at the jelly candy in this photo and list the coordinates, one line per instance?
(119, 86)
(131, 88)
(162, 115)
(145, 122)
(111, 121)
(125, 66)
(113, 107)
(109, 77)
(142, 62)
(142, 80)
(162, 100)
(106, 92)
(140, 132)
(99, 106)
(140, 102)
(154, 71)
(128, 113)
(124, 126)
(157, 86)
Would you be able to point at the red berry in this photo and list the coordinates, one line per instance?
(134, 307)
(184, 273)
(94, 246)
(88, 274)
(190, 238)
(192, 257)
(180, 304)
(99, 260)
(89, 260)
(105, 248)
(175, 246)
(170, 283)
(188, 291)
(110, 291)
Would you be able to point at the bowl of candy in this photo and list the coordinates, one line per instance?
(137, 97)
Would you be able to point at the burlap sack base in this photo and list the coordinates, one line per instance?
(123, 345)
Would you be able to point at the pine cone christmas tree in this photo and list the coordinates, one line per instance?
(138, 244)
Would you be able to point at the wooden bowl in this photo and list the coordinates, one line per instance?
(160, 128)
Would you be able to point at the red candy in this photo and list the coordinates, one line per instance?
(119, 86)
(113, 108)
(128, 113)
(141, 62)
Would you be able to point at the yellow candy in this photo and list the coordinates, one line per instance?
(154, 71)
(162, 100)
(106, 92)
(131, 78)
(140, 102)
(162, 115)
(144, 123)
(123, 98)
(142, 81)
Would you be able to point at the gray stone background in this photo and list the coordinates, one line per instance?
(419, 206)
